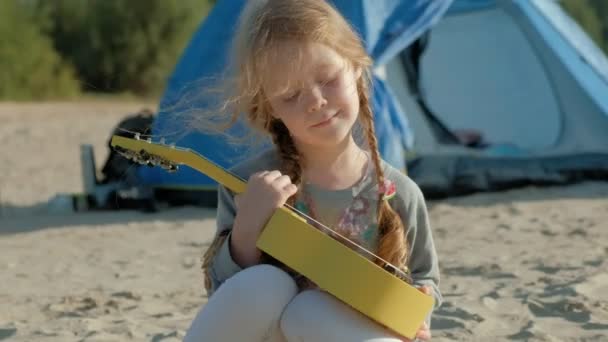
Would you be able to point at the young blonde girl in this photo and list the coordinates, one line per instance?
(303, 78)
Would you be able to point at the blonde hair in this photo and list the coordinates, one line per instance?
(264, 24)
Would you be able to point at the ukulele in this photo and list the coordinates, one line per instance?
(379, 293)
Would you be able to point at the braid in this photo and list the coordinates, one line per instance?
(392, 245)
(291, 166)
(290, 158)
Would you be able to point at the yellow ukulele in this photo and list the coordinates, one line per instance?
(333, 266)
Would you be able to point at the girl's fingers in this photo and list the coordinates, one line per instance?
(424, 333)
(281, 182)
(271, 176)
(291, 189)
(260, 174)
(425, 289)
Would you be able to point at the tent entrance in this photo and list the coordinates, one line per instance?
(491, 80)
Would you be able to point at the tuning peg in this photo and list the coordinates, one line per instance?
(167, 165)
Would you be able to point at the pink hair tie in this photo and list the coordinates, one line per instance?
(388, 190)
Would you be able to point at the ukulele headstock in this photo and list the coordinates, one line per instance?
(142, 156)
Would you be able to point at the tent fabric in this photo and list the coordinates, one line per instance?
(386, 27)
(459, 175)
(575, 36)
(520, 72)
(508, 71)
(465, 6)
(518, 81)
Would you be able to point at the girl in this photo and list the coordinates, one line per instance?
(303, 78)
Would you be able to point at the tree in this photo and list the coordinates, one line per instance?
(592, 16)
(122, 45)
(29, 66)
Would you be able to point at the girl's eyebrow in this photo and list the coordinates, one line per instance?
(332, 68)
(327, 66)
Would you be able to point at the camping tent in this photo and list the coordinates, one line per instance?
(519, 73)
(525, 76)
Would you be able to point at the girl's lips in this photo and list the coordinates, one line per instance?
(325, 122)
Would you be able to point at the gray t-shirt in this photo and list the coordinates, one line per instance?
(352, 212)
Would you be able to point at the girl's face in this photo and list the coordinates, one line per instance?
(313, 90)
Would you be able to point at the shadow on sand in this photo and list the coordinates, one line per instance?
(28, 219)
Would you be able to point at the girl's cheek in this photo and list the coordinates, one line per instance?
(331, 94)
(296, 114)
(344, 94)
(287, 110)
(345, 85)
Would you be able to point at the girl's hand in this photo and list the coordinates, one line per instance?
(266, 191)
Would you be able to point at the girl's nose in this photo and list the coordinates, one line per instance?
(316, 100)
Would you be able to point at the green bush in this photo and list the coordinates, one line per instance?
(122, 45)
(30, 69)
(592, 16)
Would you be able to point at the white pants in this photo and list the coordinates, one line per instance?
(262, 303)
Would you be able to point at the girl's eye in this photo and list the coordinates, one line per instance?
(331, 81)
(291, 97)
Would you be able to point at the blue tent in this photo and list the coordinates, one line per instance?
(386, 26)
(520, 74)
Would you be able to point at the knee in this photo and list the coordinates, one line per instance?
(304, 313)
(261, 286)
(318, 316)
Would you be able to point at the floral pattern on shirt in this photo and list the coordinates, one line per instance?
(358, 221)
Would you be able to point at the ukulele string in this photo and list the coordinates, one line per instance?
(145, 135)
(351, 242)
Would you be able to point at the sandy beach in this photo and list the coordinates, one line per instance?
(523, 265)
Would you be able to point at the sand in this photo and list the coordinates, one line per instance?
(522, 265)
